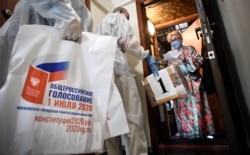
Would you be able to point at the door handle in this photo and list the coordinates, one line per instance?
(6, 13)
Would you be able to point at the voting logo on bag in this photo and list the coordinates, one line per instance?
(39, 75)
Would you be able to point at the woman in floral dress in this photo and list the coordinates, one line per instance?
(193, 113)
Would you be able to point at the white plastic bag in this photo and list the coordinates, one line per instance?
(116, 118)
(57, 92)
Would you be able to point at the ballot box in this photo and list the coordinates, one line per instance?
(169, 85)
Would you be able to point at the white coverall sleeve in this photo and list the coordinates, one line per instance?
(66, 19)
(116, 24)
(129, 42)
(132, 46)
(59, 10)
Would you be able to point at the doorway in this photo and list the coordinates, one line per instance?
(182, 15)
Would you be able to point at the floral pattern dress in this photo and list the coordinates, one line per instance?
(193, 113)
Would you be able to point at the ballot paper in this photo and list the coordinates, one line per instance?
(172, 55)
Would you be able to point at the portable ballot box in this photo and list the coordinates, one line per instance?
(168, 86)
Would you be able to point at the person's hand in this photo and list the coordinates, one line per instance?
(174, 62)
(181, 57)
(122, 42)
(72, 31)
(153, 65)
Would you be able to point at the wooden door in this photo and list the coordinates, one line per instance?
(190, 37)
(6, 4)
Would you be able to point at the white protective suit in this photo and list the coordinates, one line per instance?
(116, 24)
(57, 13)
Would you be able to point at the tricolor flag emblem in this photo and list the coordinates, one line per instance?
(38, 76)
(58, 71)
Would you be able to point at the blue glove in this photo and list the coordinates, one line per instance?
(153, 65)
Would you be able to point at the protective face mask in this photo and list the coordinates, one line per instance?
(176, 44)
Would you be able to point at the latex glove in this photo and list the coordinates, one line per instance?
(72, 31)
(153, 65)
(121, 42)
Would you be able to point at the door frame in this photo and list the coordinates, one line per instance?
(154, 120)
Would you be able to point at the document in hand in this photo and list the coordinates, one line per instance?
(172, 55)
